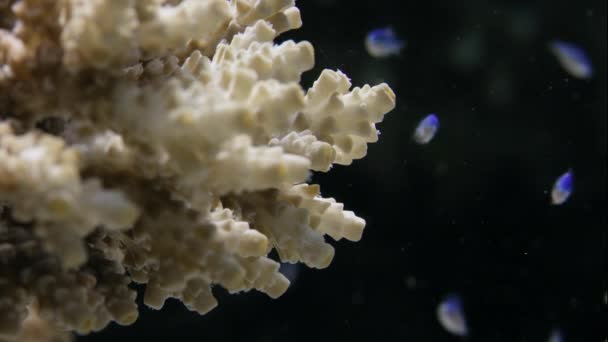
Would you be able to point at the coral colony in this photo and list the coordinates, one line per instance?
(165, 143)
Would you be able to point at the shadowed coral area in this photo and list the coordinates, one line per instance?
(166, 143)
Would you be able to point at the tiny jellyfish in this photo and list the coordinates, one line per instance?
(572, 58)
(383, 42)
(451, 316)
(556, 336)
(562, 188)
(410, 282)
(426, 129)
(290, 271)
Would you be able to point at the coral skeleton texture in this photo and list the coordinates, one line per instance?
(165, 143)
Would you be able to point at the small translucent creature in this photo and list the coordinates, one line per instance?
(572, 58)
(562, 188)
(291, 271)
(383, 42)
(556, 336)
(451, 316)
(426, 129)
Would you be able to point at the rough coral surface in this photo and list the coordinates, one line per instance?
(166, 143)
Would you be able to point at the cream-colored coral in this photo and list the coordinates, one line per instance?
(83, 299)
(35, 329)
(166, 143)
(40, 180)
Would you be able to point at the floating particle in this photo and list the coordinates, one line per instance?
(562, 189)
(357, 298)
(426, 129)
(451, 316)
(467, 52)
(290, 271)
(383, 42)
(556, 336)
(410, 282)
(523, 23)
(572, 58)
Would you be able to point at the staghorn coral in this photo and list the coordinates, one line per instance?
(166, 143)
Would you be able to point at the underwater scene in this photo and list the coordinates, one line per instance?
(309, 170)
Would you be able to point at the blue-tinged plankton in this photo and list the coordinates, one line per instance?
(572, 58)
(291, 271)
(451, 316)
(383, 42)
(562, 188)
(426, 129)
(556, 336)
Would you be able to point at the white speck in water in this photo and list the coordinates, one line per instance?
(410, 282)
(556, 336)
(572, 58)
(426, 129)
(451, 316)
(383, 42)
(290, 271)
(562, 188)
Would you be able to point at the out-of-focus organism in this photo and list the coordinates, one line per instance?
(523, 23)
(166, 143)
(562, 188)
(468, 51)
(572, 58)
(451, 315)
(383, 42)
(556, 336)
(426, 129)
(290, 271)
